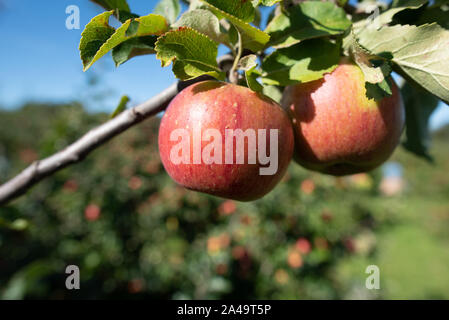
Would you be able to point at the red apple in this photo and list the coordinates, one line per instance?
(200, 162)
(338, 130)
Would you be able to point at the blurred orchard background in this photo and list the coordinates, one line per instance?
(135, 234)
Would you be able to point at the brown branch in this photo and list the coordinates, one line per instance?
(78, 150)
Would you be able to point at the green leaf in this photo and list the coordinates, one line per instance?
(257, 18)
(192, 53)
(95, 34)
(121, 9)
(113, 4)
(375, 70)
(121, 106)
(302, 62)
(132, 48)
(253, 38)
(251, 80)
(170, 9)
(378, 91)
(419, 52)
(151, 24)
(307, 20)
(362, 57)
(123, 16)
(16, 225)
(273, 92)
(240, 9)
(249, 64)
(204, 22)
(196, 4)
(419, 105)
(387, 16)
(28, 278)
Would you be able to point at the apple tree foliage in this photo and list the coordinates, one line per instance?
(302, 41)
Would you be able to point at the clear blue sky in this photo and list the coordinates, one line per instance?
(39, 59)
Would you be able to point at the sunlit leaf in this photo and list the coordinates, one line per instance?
(376, 22)
(249, 64)
(420, 52)
(192, 53)
(95, 34)
(253, 38)
(310, 19)
(205, 22)
(151, 24)
(303, 62)
(170, 9)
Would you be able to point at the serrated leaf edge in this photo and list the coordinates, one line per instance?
(103, 18)
(247, 25)
(125, 25)
(170, 60)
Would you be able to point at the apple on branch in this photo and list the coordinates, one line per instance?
(338, 129)
(225, 140)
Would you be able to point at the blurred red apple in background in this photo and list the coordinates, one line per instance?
(222, 107)
(338, 130)
(92, 212)
(303, 245)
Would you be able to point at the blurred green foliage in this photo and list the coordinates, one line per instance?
(135, 234)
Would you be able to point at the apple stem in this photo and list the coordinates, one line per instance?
(233, 74)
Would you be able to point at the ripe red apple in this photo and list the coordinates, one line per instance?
(222, 107)
(338, 130)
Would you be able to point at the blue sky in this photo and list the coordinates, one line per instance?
(39, 59)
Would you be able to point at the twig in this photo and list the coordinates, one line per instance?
(78, 150)
(233, 74)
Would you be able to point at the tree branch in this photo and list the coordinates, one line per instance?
(78, 150)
